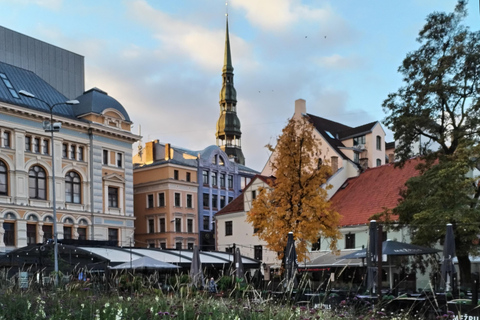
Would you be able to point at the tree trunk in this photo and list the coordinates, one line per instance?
(465, 271)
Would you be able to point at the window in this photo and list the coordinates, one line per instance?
(119, 160)
(28, 143)
(177, 199)
(47, 232)
(214, 160)
(80, 153)
(230, 199)
(228, 228)
(162, 224)
(9, 86)
(37, 183)
(163, 245)
(6, 139)
(113, 235)
(214, 201)
(188, 177)
(190, 225)
(151, 226)
(3, 179)
(73, 151)
(254, 194)
(350, 241)
(45, 146)
(230, 182)
(206, 200)
(175, 174)
(161, 199)
(220, 161)
(222, 180)
(222, 201)
(178, 245)
(205, 177)
(257, 252)
(359, 140)
(64, 150)
(105, 157)
(214, 179)
(67, 232)
(189, 201)
(206, 223)
(9, 236)
(31, 233)
(36, 145)
(151, 245)
(150, 201)
(82, 233)
(379, 143)
(178, 224)
(72, 187)
(190, 246)
(316, 245)
(379, 162)
(113, 198)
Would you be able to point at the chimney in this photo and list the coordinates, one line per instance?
(300, 107)
(150, 151)
(168, 151)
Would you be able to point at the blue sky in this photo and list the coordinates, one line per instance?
(162, 59)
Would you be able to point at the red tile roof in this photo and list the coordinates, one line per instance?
(371, 192)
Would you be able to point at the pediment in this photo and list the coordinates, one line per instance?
(114, 177)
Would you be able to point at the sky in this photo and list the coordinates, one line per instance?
(162, 59)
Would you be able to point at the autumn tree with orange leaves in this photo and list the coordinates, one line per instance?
(296, 200)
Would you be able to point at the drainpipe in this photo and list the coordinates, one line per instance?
(92, 211)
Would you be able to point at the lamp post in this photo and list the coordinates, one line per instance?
(52, 127)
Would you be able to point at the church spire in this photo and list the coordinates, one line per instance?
(228, 125)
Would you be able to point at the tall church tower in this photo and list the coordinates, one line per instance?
(228, 125)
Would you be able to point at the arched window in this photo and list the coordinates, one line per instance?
(72, 187)
(379, 143)
(379, 162)
(3, 179)
(37, 183)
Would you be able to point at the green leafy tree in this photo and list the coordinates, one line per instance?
(296, 200)
(439, 103)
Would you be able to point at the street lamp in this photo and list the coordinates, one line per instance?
(52, 127)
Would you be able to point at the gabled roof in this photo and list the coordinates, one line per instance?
(357, 131)
(22, 79)
(372, 192)
(237, 205)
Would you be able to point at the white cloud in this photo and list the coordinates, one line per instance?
(278, 15)
(337, 61)
(201, 45)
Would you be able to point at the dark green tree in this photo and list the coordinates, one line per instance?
(438, 109)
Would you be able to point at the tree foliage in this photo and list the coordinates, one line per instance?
(296, 200)
(440, 101)
(440, 98)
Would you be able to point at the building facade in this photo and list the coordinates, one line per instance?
(93, 157)
(208, 176)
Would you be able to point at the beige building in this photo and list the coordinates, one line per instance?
(165, 198)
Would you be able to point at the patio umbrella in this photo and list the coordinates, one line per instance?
(237, 261)
(394, 248)
(196, 268)
(448, 268)
(145, 263)
(291, 263)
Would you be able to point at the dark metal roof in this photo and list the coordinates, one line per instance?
(22, 79)
(96, 101)
(354, 132)
(323, 126)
